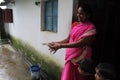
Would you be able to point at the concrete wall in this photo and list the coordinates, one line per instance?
(27, 25)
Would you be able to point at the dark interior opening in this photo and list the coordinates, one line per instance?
(107, 20)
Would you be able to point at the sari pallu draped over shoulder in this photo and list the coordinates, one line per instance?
(80, 31)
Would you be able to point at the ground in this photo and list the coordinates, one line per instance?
(12, 65)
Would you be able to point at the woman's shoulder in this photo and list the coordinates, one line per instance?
(90, 24)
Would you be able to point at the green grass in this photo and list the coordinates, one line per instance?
(52, 68)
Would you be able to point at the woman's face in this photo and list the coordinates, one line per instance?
(98, 76)
(81, 15)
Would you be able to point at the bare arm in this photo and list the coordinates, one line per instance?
(86, 41)
(82, 42)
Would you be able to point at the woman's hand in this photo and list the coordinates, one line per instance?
(54, 46)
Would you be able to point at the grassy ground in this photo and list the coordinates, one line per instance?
(52, 68)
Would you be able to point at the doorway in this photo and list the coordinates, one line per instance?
(2, 29)
(107, 21)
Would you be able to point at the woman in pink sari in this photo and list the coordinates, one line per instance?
(78, 44)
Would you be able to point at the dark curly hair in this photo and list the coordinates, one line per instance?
(87, 65)
(107, 70)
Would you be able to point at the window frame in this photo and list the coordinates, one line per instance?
(43, 14)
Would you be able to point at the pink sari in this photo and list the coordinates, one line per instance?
(70, 71)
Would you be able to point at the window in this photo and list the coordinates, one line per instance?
(7, 15)
(50, 15)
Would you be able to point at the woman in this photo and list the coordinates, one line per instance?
(78, 44)
(105, 71)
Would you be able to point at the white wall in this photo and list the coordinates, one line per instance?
(27, 27)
